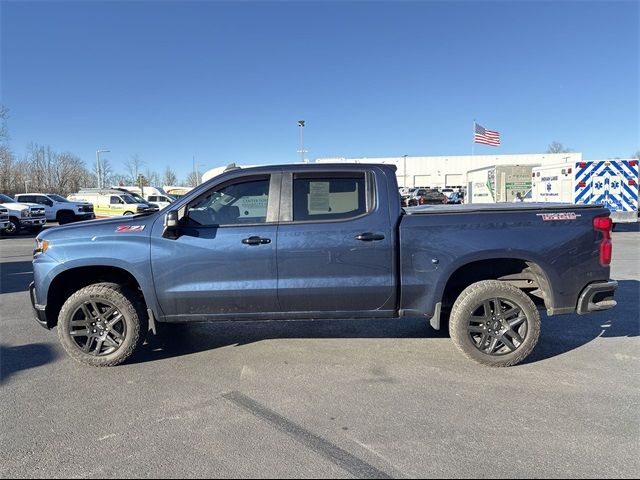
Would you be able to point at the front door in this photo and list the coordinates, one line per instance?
(223, 261)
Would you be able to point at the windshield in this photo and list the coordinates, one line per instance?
(137, 197)
(58, 198)
(6, 199)
(128, 199)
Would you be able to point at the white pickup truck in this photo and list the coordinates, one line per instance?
(58, 208)
(4, 218)
(22, 215)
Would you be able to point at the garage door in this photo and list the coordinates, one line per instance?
(454, 180)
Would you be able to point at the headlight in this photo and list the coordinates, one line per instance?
(25, 213)
(41, 246)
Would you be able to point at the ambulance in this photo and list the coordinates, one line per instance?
(611, 183)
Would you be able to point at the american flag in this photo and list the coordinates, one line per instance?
(488, 137)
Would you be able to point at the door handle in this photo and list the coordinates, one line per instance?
(370, 237)
(255, 240)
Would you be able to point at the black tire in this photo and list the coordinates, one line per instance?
(14, 227)
(107, 345)
(127, 213)
(65, 217)
(499, 340)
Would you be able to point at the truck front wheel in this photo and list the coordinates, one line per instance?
(494, 323)
(102, 325)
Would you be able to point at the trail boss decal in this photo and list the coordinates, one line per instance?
(127, 228)
(558, 216)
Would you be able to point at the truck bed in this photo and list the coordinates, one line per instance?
(496, 207)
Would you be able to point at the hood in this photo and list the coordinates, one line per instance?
(19, 206)
(104, 227)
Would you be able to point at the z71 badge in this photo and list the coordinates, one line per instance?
(558, 216)
(129, 228)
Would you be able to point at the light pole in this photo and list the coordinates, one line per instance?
(302, 151)
(98, 167)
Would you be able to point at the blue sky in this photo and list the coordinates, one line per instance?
(227, 82)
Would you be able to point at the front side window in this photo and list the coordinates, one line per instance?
(329, 197)
(115, 200)
(243, 202)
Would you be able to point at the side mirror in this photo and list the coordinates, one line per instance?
(171, 220)
(171, 224)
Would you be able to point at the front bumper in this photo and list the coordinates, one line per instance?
(596, 297)
(39, 314)
(4, 224)
(85, 216)
(33, 222)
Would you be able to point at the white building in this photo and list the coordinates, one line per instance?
(451, 171)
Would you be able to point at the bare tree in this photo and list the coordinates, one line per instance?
(152, 177)
(170, 177)
(193, 179)
(557, 147)
(134, 167)
(4, 131)
(636, 155)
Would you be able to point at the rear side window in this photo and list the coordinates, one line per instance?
(329, 197)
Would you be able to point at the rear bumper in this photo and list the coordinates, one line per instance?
(596, 297)
(39, 314)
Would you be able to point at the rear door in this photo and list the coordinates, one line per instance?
(336, 245)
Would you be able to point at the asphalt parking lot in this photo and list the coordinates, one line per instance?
(362, 399)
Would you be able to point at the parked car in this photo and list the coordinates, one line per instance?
(57, 208)
(27, 216)
(316, 242)
(455, 198)
(428, 197)
(112, 203)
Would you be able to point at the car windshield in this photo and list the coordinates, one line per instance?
(6, 199)
(128, 199)
(58, 198)
(136, 197)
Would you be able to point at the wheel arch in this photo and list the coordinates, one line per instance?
(522, 272)
(71, 280)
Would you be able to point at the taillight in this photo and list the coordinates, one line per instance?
(604, 225)
(582, 164)
(632, 182)
(582, 184)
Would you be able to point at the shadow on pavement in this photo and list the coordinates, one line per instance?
(564, 333)
(559, 334)
(627, 227)
(24, 357)
(15, 276)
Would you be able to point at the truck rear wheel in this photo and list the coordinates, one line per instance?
(102, 325)
(494, 323)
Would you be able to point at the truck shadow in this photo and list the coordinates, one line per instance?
(15, 276)
(24, 357)
(559, 334)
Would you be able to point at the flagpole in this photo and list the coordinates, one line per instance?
(473, 139)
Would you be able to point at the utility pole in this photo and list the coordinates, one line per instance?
(302, 151)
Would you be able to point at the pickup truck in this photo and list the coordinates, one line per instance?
(4, 218)
(57, 208)
(322, 242)
(27, 216)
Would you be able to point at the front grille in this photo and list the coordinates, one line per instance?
(86, 208)
(4, 217)
(37, 212)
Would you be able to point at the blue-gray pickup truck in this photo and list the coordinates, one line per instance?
(321, 242)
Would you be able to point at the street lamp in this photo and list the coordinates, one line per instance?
(302, 151)
(98, 167)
